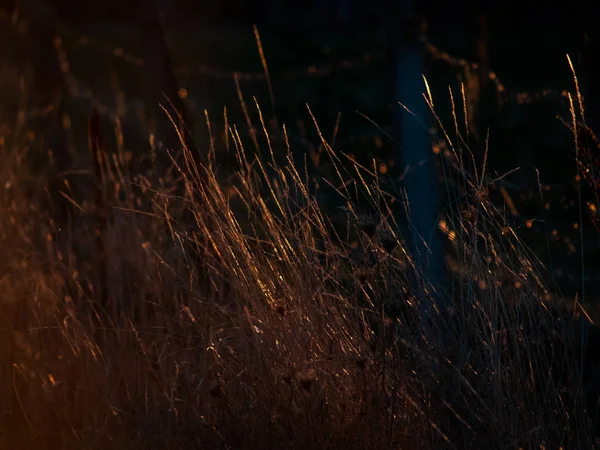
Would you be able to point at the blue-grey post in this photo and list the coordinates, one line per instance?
(420, 182)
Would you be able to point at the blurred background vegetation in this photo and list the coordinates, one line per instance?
(61, 59)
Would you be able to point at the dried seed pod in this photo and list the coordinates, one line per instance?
(306, 378)
(368, 228)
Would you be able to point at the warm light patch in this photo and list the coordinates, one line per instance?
(446, 230)
(66, 121)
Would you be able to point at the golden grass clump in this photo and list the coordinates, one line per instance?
(242, 313)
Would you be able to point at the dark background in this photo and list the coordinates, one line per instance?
(337, 57)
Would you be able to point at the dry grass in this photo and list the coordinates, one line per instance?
(240, 313)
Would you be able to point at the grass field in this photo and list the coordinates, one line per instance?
(185, 306)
